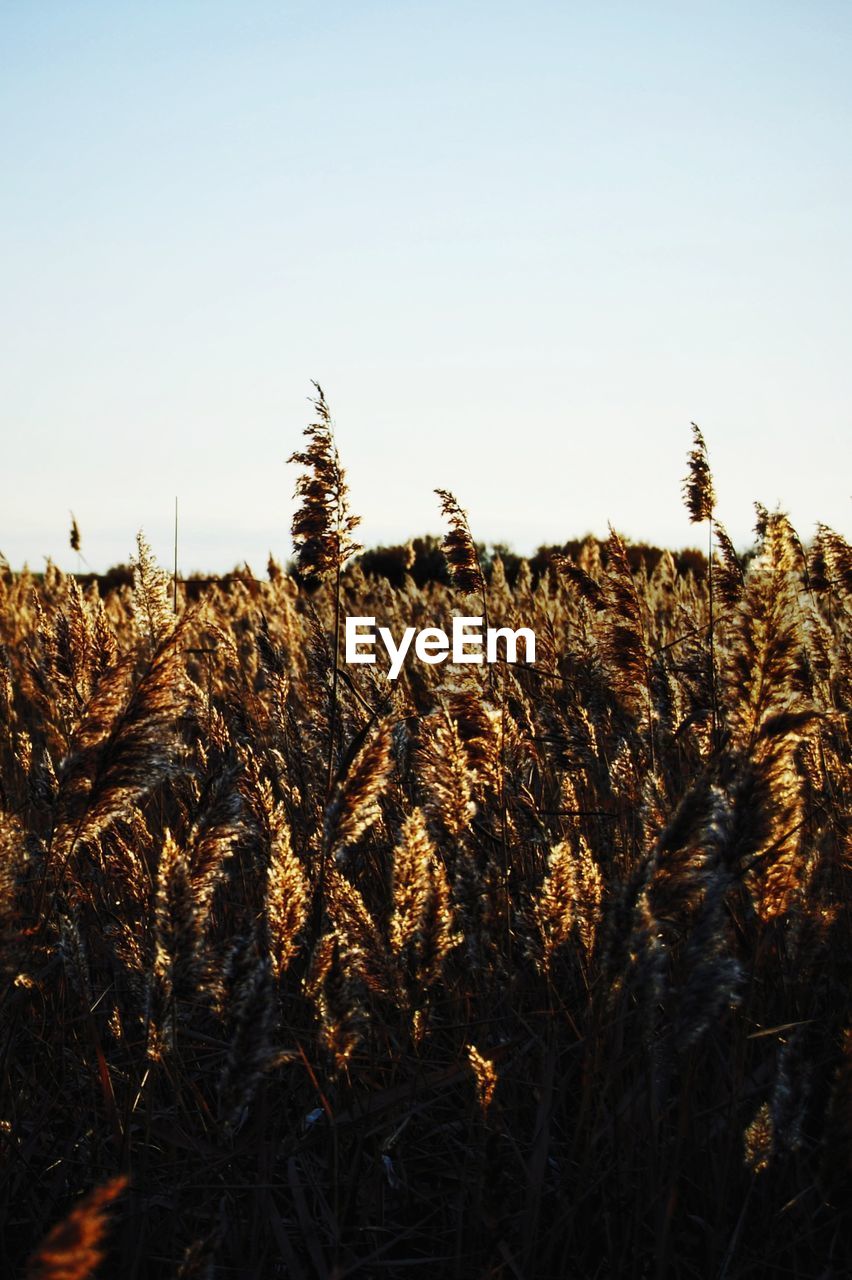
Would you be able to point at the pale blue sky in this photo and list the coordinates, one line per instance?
(521, 245)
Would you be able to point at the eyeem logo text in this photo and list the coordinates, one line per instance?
(434, 645)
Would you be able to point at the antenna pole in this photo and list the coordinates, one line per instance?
(175, 604)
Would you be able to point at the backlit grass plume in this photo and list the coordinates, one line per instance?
(286, 896)
(74, 1248)
(727, 572)
(459, 547)
(421, 927)
(699, 495)
(322, 528)
(698, 491)
(323, 524)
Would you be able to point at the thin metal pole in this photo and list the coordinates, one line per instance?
(176, 557)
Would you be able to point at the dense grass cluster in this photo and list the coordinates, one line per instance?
(487, 972)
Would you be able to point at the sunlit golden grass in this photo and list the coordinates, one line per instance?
(510, 971)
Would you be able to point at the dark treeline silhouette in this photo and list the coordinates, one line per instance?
(423, 559)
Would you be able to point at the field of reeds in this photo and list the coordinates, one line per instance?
(502, 971)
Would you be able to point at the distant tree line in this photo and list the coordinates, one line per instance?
(423, 559)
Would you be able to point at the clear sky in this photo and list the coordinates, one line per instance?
(521, 245)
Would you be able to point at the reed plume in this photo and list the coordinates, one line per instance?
(830, 562)
(177, 929)
(446, 776)
(698, 492)
(125, 744)
(588, 588)
(462, 556)
(333, 990)
(421, 926)
(727, 572)
(355, 806)
(700, 498)
(249, 1012)
(459, 547)
(73, 1250)
(569, 902)
(323, 524)
(286, 896)
(321, 529)
(485, 1075)
(150, 593)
